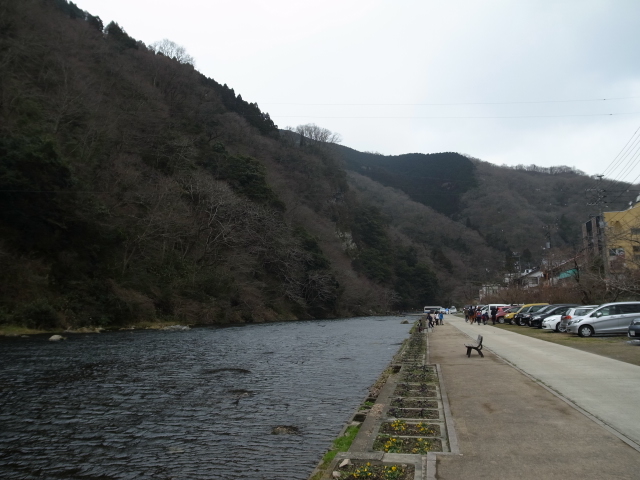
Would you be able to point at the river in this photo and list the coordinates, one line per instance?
(197, 404)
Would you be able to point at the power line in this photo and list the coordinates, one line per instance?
(611, 165)
(630, 165)
(616, 198)
(438, 117)
(527, 102)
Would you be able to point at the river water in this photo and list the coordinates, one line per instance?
(199, 404)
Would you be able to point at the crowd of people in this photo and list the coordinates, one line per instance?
(475, 314)
(430, 320)
(472, 314)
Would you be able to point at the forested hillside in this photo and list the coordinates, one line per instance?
(461, 258)
(525, 207)
(438, 180)
(134, 188)
(519, 209)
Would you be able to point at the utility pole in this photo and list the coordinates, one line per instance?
(547, 247)
(602, 237)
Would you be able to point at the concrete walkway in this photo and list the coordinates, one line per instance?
(510, 427)
(607, 389)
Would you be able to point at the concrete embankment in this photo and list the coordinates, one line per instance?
(407, 419)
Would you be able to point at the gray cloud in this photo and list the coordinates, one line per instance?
(413, 52)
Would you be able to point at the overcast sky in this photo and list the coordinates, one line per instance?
(509, 82)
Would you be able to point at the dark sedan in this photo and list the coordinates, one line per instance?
(634, 329)
(525, 319)
(537, 318)
(519, 317)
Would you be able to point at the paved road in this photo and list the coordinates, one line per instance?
(509, 427)
(607, 389)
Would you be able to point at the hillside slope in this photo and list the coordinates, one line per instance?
(524, 208)
(512, 209)
(438, 180)
(134, 188)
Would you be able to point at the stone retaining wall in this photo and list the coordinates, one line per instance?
(407, 421)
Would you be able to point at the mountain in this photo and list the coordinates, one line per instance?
(135, 189)
(512, 209)
(437, 180)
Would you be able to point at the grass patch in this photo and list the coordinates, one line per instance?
(152, 324)
(12, 330)
(367, 405)
(341, 444)
(616, 347)
(17, 330)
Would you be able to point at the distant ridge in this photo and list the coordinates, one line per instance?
(437, 180)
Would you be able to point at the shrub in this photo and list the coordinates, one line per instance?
(38, 314)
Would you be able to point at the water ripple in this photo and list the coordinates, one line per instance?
(198, 404)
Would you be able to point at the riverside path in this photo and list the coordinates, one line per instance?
(605, 388)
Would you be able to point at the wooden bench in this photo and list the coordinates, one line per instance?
(476, 346)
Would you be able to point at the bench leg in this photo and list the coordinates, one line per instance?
(481, 354)
(468, 351)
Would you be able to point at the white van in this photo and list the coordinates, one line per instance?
(487, 308)
(610, 318)
(432, 309)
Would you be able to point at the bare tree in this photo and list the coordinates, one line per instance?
(316, 134)
(172, 50)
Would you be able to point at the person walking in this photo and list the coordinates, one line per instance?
(494, 311)
(478, 316)
(441, 318)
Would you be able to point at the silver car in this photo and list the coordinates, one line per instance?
(610, 318)
(574, 315)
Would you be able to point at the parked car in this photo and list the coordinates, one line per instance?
(525, 319)
(526, 309)
(607, 319)
(559, 309)
(501, 313)
(573, 314)
(453, 310)
(552, 322)
(487, 308)
(634, 329)
(509, 314)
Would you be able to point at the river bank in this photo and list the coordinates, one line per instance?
(17, 330)
(404, 418)
(13, 330)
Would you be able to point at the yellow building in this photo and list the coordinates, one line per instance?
(622, 230)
